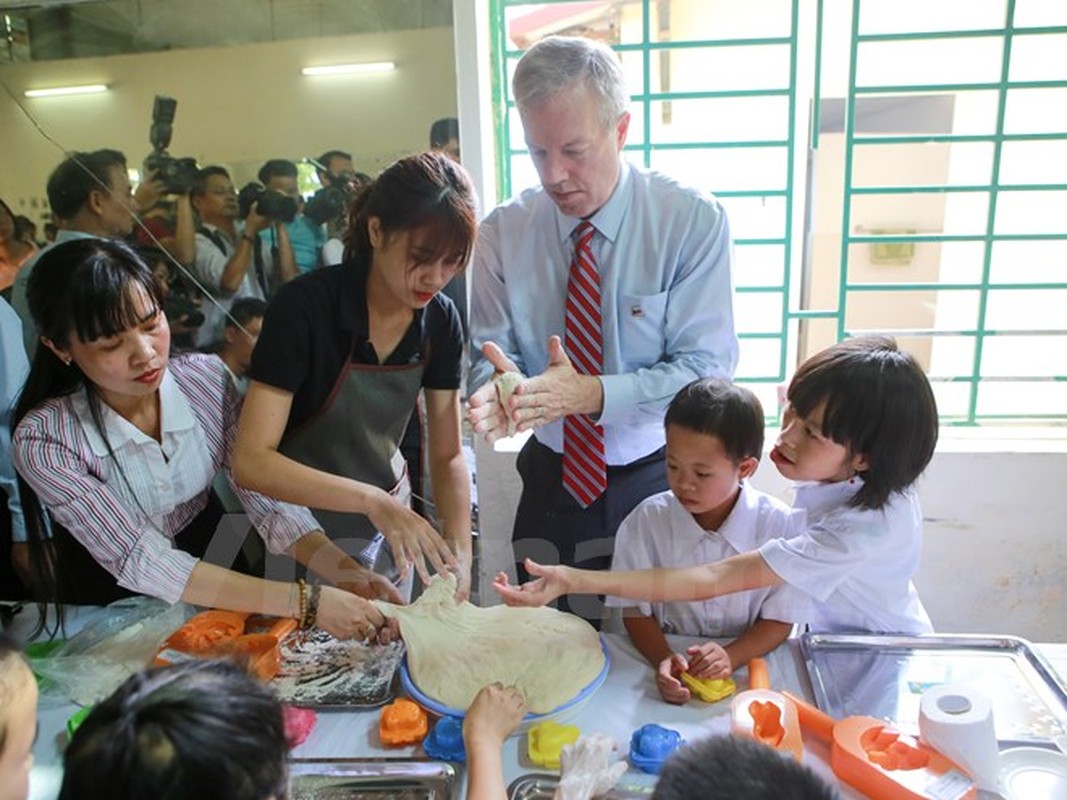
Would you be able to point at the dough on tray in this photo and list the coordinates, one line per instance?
(455, 650)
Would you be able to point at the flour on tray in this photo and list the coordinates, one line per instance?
(318, 669)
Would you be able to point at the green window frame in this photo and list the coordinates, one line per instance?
(797, 313)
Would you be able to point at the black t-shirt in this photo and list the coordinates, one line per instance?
(308, 332)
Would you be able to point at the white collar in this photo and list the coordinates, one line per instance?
(739, 527)
(174, 410)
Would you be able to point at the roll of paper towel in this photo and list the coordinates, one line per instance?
(957, 721)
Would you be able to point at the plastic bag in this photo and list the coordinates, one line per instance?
(584, 768)
(94, 662)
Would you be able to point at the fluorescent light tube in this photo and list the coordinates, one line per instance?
(92, 88)
(348, 69)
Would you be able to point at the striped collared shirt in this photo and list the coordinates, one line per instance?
(129, 525)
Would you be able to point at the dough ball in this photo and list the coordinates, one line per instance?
(506, 383)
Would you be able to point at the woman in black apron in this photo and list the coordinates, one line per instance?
(342, 356)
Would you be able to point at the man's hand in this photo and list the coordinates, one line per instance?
(670, 687)
(557, 392)
(484, 412)
(549, 583)
(709, 661)
(255, 222)
(148, 192)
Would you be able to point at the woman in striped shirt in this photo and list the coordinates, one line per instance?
(120, 443)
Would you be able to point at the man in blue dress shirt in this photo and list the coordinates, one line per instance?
(663, 253)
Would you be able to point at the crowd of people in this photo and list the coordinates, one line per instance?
(608, 290)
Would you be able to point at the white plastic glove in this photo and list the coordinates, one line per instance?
(585, 770)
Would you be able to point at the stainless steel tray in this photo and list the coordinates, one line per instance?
(884, 677)
(542, 786)
(371, 779)
(318, 671)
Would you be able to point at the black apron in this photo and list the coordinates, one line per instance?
(356, 434)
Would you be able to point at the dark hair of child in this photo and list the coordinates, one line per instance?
(878, 403)
(733, 767)
(200, 729)
(716, 407)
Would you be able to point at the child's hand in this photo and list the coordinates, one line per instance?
(670, 688)
(709, 661)
(549, 583)
(495, 712)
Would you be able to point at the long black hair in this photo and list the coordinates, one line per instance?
(200, 729)
(85, 289)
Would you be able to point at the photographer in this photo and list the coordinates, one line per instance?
(231, 260)
(340, 184)
(181, 302)
(305, 235)
(91, 194)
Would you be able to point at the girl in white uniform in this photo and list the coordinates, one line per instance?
(860, 427)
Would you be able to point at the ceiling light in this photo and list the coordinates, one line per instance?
(92, 88)
(348, 69)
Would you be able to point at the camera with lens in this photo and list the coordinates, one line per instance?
(328, 203)
(177, 174)
(332, 200)
(177, 306)
(269, 203)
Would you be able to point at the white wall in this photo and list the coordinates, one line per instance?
(237, 106)
(994, 560)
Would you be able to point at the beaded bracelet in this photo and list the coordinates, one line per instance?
(313, 605)
(302, 619)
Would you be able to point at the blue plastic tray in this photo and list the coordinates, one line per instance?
(571, 705)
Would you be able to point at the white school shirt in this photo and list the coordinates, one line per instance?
(661, 533)
(857, 563)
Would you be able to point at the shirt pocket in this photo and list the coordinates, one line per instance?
(642, 323)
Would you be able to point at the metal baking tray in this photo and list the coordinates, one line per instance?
(542, 786)
(884, 676)
(371, 779)
(319, 671)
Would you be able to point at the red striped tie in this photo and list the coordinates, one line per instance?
(584, 465)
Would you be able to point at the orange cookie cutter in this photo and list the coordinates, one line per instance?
(403, 722)
(765, 715)
(252, 639)
(881, 762)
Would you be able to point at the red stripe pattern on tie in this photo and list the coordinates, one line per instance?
(584, 464)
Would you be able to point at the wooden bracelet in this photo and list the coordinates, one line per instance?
(250, 239)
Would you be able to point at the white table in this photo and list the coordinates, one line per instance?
(627, 700)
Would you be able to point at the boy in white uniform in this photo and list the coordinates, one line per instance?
(714, 441)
